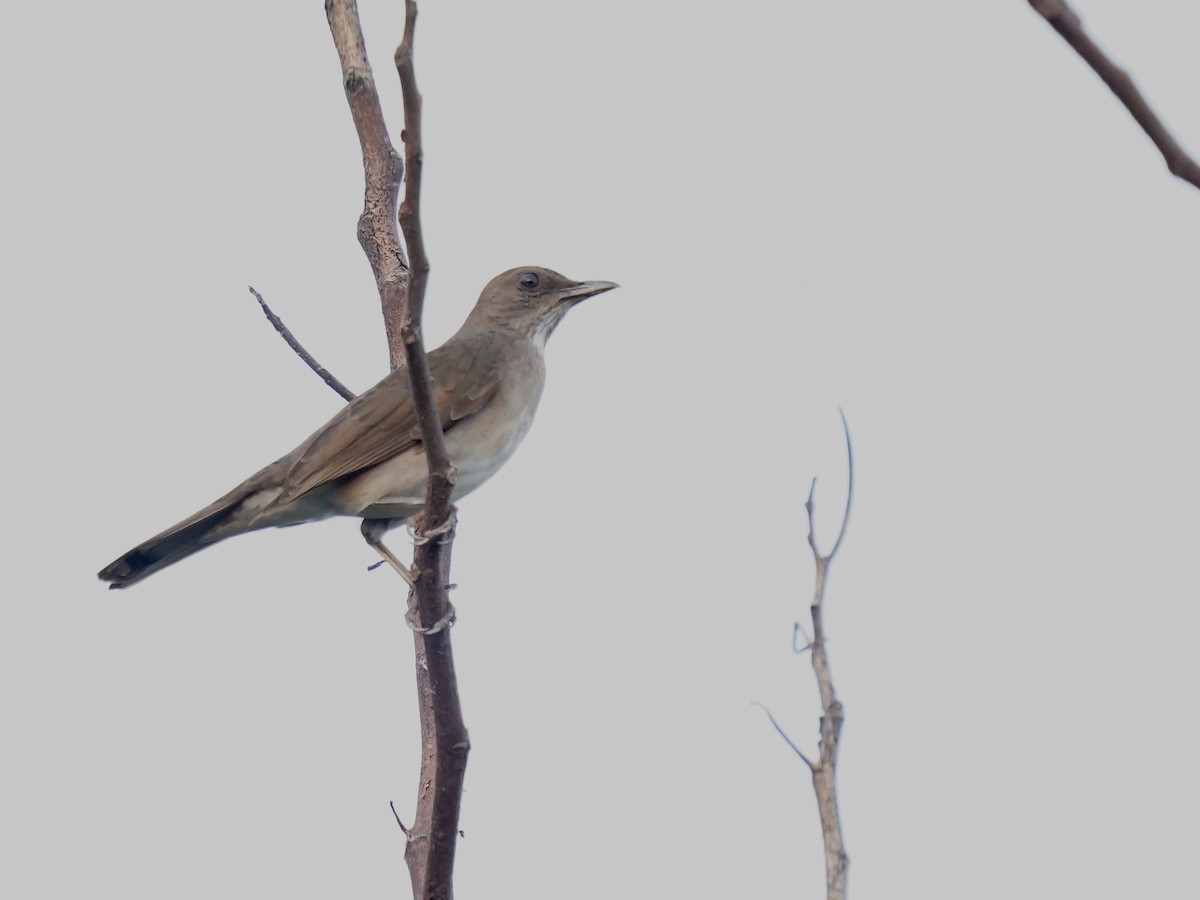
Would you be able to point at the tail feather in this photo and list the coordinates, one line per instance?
(180, 540)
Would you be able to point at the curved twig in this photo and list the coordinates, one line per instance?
(837, 544)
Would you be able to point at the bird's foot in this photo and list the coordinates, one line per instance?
(373, 531)
(421, 538)
(447, 619)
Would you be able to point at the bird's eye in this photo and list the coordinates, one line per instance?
(529, 280)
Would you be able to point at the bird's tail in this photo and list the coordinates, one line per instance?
(180, 540)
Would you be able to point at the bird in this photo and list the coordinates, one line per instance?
(367, 461)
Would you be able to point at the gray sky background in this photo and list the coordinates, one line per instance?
(932, 215)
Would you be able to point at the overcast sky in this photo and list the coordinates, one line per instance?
(931, 215)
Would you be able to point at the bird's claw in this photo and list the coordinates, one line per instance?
(448, 619)
(424, 537)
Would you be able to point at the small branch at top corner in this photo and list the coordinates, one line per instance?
(1059, 15)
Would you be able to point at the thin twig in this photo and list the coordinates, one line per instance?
(392, 804)
(837, 544)
(1067, 23)
(783, 734)
(414, 159)
(797, 631)
(285, 333)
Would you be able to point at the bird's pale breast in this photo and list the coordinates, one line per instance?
(478, 446)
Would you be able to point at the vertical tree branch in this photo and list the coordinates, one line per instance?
(414, 159)
(444, 744)
(382, 171)
(444, 740)
(824, 770)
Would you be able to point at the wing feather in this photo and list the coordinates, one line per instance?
(381, 422)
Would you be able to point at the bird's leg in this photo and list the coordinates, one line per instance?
(421, 538)
(372, 532)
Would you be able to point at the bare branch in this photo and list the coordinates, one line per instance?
(824, 772)
(1064, 20)
(382, 169)
(824, 769)
(783, 734)
(442, 474)
(432, 838)
(437, 516)
(414, 158)
(290, 339)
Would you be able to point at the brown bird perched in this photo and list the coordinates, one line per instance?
(366, 461)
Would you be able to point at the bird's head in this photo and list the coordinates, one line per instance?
(532, 300)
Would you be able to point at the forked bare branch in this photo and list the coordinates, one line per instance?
(824, 771)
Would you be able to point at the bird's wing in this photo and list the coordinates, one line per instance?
(381, 422)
